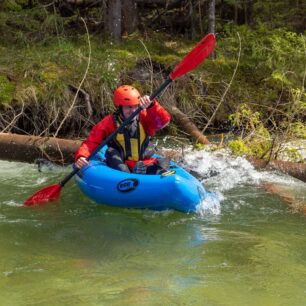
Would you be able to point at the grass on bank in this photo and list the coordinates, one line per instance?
(40, 56)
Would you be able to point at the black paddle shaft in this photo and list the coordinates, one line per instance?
(118, 130)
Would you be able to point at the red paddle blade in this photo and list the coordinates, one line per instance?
(47, 194)
(195, 57)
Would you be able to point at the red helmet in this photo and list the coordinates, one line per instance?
(126, 95)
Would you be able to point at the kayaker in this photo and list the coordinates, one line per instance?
(130, 150)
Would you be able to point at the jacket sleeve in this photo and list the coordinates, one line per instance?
(154, 118)
(98, 133)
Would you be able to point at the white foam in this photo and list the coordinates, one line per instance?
(11, 203)
(222, 172)
(211, 204)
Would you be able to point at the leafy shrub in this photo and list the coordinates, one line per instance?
(7, 90)
(254, 138)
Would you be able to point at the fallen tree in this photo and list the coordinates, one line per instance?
(25, 148)
(288, 196)
(297, 170)
(188, 126)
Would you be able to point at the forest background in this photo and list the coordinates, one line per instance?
(61, 60)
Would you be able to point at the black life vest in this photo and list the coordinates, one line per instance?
(132, 141)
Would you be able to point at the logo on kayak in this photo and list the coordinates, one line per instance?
(127, 185)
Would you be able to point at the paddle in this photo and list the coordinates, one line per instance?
(195, 57)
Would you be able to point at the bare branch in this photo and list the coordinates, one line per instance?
(84, 77)
(227, 89)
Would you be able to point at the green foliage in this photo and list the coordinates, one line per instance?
(298, 129)
(288, 52)
(270, 73)
(280, 13)
(254, 138)
(238, 147)
(199, 146)
(172, 129)
(293, 154)
(14, 5)
(260, 142)
(7, 90)
(167, 59)
(268, 50)
(45, 52)
(294, 123)
(245, 120)
(45, 69)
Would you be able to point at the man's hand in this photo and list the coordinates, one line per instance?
(145, 102)
(81, 162)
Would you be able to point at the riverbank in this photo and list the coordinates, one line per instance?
(62, 85)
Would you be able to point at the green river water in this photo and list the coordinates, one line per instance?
(249, 249)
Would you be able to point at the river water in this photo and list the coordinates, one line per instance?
(247, 249)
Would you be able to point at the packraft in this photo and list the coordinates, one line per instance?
(172, 189)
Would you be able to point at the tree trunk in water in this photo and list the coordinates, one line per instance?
(296, 170)
(297, 204)
(188, 126)
(113, 20)
(30, 148)
(129, 16)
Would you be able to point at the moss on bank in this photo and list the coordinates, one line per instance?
(7, 90)
(43, 54)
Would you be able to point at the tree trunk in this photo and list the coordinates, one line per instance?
(25, 148)
(248, 11)
(191, 18)
(245, 10)
(113, 20)
(200, 18)
(30, 148)
(236, 13)
(188, 126)
(129, 16)
(212, 20)
(297, 170)
(211, 16)
(296, 203)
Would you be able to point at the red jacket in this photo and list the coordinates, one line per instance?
(152, 119)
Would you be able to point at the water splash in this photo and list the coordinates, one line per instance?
(211, 205)
(11, 203)
(221, 172)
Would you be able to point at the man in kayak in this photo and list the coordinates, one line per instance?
(130, 150)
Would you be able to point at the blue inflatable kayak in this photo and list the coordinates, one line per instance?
(174, 189)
